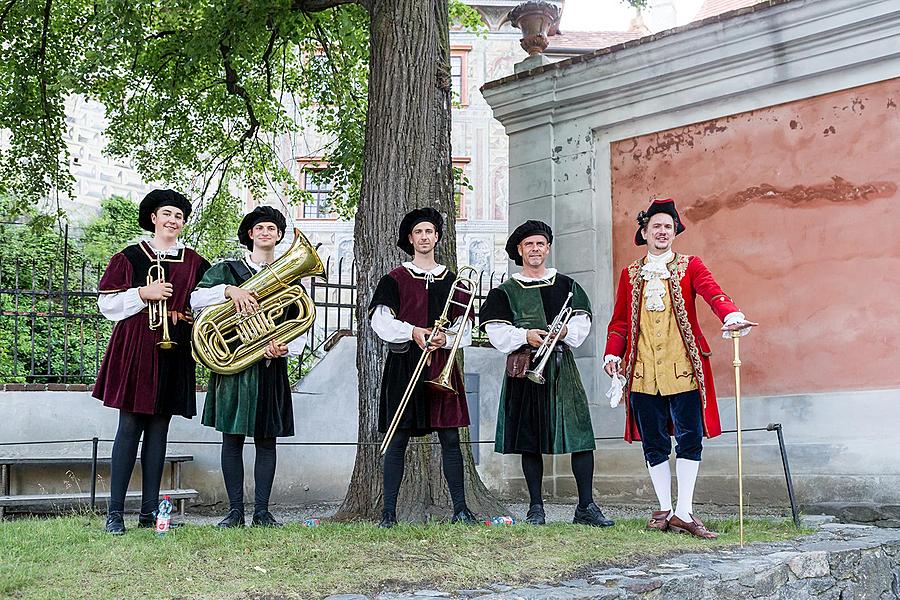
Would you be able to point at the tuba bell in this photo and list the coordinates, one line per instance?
(228, 343)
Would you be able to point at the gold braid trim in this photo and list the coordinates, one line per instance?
(678, 268)
(637, 287)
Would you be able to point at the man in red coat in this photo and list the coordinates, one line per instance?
(668, 379)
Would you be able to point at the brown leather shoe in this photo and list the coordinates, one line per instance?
(659, 520)
(696, 528)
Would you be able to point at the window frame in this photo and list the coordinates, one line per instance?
(309, 165)
(461, 51)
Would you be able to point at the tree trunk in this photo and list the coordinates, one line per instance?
(406, 165)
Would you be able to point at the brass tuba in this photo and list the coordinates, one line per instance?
(227, 342)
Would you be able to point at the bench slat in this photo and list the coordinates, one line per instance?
(77, 460)
(26, 500)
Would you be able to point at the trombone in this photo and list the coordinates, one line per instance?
(465, 285)
(546, 348)
(158, 309)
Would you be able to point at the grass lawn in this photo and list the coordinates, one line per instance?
(71, 557)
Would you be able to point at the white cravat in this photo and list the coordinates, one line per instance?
(653, 272)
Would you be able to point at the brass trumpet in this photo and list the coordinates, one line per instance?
(159, 309)
(465, 285)
(546, 348)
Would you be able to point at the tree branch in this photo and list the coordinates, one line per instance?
(236, 89)
(320, 5)
(322, 38)
(6, 10)
(266, 56)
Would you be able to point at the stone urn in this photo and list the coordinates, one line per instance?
(534, 19)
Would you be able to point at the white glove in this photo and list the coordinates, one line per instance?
(616, 387)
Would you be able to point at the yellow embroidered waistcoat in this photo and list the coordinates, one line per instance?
(662, 363)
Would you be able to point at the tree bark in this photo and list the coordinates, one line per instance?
(407, 164)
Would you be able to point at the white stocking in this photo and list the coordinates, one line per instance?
(686, 471)
(661, 476)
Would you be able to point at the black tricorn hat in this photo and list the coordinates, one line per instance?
(413, 218)
(156, 199)
(526, 229)
(666, 206)
(260, 214)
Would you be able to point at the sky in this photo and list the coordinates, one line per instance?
(614, 15)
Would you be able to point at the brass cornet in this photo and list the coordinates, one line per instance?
(465, 285)
(159, 309)
(546, 348)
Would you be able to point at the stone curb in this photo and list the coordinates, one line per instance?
(837, 562)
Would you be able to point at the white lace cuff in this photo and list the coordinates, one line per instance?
(611, 358)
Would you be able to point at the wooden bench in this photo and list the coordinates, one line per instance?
(175, 491)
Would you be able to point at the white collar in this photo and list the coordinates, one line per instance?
(437, 270)
(253, 265)
(172, 251)
(550, 274)
(660, 258)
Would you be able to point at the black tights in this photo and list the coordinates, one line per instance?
(451, 458)
(233, 471)
(155, 429)
(582, 469)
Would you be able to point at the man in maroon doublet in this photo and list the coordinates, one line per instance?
(403, 309)
(146, 383)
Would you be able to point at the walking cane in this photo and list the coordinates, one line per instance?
(736, 336)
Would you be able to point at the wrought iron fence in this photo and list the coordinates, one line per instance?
(51, 330)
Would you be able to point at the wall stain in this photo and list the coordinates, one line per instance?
(675, 141)
(891, 103)
(838, 190)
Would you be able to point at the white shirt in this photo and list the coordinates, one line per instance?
(118, 306)
(202, 298)
(507, 338)
(391, 329)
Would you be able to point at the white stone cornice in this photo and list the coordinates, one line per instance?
(748, 53)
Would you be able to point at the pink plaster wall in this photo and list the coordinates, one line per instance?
(796, 211)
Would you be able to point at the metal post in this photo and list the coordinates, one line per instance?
(776, 427)
(4, 482)
(94, 442)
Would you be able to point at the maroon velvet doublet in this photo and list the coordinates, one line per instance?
(406, 295)
(136, 375)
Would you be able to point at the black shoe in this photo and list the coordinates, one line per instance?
(388, 519)
(536, 515)
(115, 523)
(234, 518)
(465, 517)
(265, 519)
(148, 521)
(591, 515)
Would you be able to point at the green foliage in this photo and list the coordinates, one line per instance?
(463, 16)
(48, 327)
(197, 94)
(112, 230)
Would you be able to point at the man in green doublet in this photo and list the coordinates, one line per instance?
(257, 401)
(550, 417)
